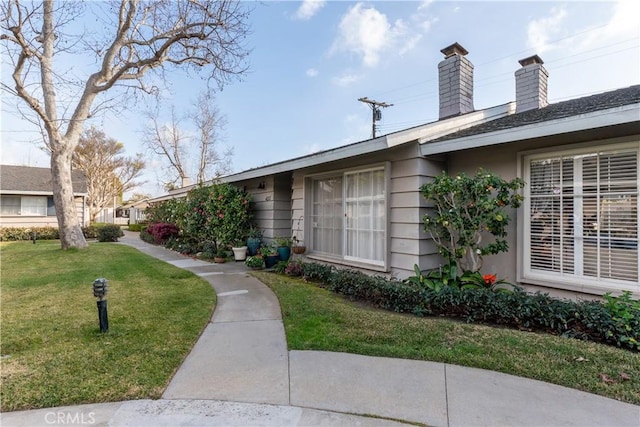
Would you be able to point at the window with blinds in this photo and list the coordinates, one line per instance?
(582, 219)
(348, 216)
(26, 206)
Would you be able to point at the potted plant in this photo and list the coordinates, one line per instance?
(221, 256)
(254, 240)
(239, 250)
(270, 255)
(283, 245)
(254, 262)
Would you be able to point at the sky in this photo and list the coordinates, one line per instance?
(310, 61)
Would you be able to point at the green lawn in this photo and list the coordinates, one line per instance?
(52, 351)
(316, 319)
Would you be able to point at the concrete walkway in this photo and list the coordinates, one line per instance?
(240, 373)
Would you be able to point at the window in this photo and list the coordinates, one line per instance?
(349, 216)
(581, 219)
(10, 205)
(27, 206)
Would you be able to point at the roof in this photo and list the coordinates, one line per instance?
(381, 143)
(573, 107)
(27, 179)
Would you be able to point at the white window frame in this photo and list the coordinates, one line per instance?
(575, 281)
(342, 258)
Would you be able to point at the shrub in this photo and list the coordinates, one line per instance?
(315, 272)
(109, 233)
(147, 237)
(614, 322)
(254, 262)
(19, 233)
(162, 231)
(136, 227)
(294, 269)
(467, 208)
(280, 267)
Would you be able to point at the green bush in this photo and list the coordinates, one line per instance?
(19, 233)
(137, 227)
(109, 233)
(315, 272)
(615, 322)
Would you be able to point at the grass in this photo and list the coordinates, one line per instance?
(316, 319)
(52, 351)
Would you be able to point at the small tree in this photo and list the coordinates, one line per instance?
(109, 172)
(466, 211)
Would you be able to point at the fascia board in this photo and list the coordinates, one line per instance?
(614, 116)
(357, 149)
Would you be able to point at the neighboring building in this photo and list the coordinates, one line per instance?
(132, 213)
(360, 205)
(26, 197)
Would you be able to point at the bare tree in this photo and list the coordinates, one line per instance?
(128, 40)
(190, 145)
(109, 173)
(210, 123)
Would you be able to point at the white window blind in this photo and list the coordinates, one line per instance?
(33, 206)
(583, 215)
(10, 205)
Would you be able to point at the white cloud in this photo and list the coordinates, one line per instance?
(312, 72)
(346, 79)
(541, 31)
(365, 32)
(308, 9)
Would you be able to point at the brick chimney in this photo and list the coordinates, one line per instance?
(455, 75)
(531, 84)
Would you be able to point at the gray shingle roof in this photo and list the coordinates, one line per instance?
(17, 179)
(573, 107)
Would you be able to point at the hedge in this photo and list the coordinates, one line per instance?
(615, 322)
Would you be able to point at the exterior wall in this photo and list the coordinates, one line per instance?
(45, 221)
(504, 160)
(407, 243)
(271, 205)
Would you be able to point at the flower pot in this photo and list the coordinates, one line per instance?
(253, 244)
(271, 260)
(284, 252)
(298, 250)
(219, 260)
(240, 253)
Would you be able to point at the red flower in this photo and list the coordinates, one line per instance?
(489, 279)
(220, 215)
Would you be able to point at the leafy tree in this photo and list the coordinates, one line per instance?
(109, 173)
(128, 41)
(466, 211)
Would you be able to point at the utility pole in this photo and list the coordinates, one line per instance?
(375, 110)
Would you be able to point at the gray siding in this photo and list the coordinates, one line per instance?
(271, 205)
(408, 244)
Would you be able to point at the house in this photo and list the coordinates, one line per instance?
(26, 197)
(132, 213)
(360, 205)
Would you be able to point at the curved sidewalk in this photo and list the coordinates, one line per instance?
(240, 373)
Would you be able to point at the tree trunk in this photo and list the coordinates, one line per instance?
(70, 228)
